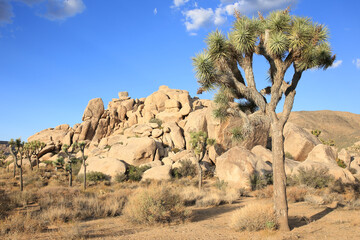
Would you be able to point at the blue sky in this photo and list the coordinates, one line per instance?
(56, 55)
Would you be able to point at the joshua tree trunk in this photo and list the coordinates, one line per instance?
(70, 174)
(280, 201)
(199, 175)
(14, 162)
(37, 161)
(21, 179)
(84, 164)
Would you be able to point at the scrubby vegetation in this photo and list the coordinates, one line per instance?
(315, 178)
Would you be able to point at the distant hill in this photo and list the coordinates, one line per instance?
(342, 127)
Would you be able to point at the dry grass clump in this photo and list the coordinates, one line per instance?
(266, 192)
(254, 217)
(156, 204)
(20, 223)
(296, 194)
(209, 197)
(74, 232)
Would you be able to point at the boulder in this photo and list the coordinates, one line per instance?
(237, 165)
(157, 173)
(176, 136)
(109, 166)
(156, 133)
(63, 127)
(123, 95)
(47, 149)
(152, 164)
(298, 142)
(46, 157)
(345, 156)
(196, 121)
(134, 151)
(323, 156)
(47, 134)
(92, 113)
(167, 161)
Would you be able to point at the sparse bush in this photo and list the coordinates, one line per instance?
(175, 150)
(289, 156)
(187, 169)
(237, 134)
(108, 147)
(254, 217)
(258, 181)
(266, 192)
(155, 205)
(4, 204)
(156, 120)
(22, 223)
(296, 194)
(315, 178)
(221, 184)
(135, 173)
(316, 132)
(340, 163)
(120, 177)
(93, 176)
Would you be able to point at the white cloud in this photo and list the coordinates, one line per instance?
(200, 17)
(6, 13)
(155, 11)
(336, 64)
(357, 63)
(179, 3)
(60, 10)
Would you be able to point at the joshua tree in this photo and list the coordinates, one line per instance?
(82, 149)
(199, 143)
(16, 149)
(68, 168)
(38, 146)
(29, 151)
(284, 41)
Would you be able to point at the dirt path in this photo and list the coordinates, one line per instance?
(308, 222)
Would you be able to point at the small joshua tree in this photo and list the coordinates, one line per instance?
(29, 151)
(70, 161)
(82, 149)
(199, 143)
(38, 146)
(16, 149)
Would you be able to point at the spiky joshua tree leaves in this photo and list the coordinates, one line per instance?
(284, 41)
(16, 148)
(199, 143)
(70, 160)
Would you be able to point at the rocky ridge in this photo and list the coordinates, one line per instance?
(155, 131)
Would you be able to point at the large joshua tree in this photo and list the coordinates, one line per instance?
(227, 64)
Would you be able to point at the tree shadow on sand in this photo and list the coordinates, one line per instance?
(212, 212)
(298, 221)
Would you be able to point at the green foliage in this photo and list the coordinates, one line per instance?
(59, 163)
(237, 134)
(120, 177)
(135, 173)
(187, 169)
(156, 120)
(93, 176)
(221, 184)
(340, 163)
(199, 142)
(289, 156)
(107, 147)
(316, 132)
(259, 181)
(175, 150)
(315, 178)
(329, 142)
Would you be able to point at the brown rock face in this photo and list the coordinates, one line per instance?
(157, 173)
(92, 114)
(298, 142)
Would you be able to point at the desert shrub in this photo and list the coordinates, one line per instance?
(187, 169)
(296, 194)
(57, 214)
(93, 176)
(120, 177)
(20, 199)
(259, 181)
(315, 178)
(266, 192)
(237, 134)
(5, 205)
(108, 147)
(156, 120)
(155, 205)
(340, 163)
(22, 223)
(135, 173)
(254, 217)
(289, 156)
(220, 184)
(175, 150)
